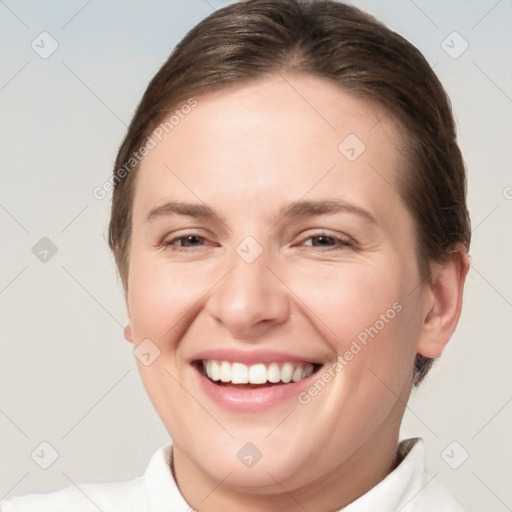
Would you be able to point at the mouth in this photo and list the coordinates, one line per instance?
(240, 376)
(243, 381)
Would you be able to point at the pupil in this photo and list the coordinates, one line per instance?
(190, 239)
(325, 238)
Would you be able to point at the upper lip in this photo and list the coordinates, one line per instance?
(249, 357)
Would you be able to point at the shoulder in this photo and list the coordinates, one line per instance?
(155, 491)
(109, 497)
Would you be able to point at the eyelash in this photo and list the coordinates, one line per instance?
(341, 242)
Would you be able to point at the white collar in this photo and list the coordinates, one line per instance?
(406, 489)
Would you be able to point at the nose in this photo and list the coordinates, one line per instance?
(250, 299)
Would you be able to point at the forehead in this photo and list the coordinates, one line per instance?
(282, 136)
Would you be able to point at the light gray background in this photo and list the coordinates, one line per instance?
(67, 375)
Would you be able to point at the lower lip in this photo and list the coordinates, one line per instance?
(251, 400)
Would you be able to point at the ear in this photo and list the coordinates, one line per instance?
(128, 336)
(443, 302)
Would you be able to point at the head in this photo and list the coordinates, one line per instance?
(276, 103)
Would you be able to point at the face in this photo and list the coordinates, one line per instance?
(274, 278)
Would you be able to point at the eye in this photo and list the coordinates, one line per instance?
(189, 241)
(328, 241)
(184, 242)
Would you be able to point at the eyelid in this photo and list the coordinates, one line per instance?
(317, 231)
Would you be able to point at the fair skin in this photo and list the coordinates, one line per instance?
(319, 281)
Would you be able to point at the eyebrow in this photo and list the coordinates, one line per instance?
(294, 209)
(314, 208)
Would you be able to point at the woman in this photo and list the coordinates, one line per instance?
(290, 225)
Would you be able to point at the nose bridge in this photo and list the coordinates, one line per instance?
(250, 295)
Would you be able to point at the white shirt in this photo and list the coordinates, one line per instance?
(406, 489)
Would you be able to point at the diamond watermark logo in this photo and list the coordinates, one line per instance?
(44, 455)
(44, 45)
(249, 455)
(454, 455)
(249, 249)
(351, 147)
(44, 250)
(454, 45)
(146, 352)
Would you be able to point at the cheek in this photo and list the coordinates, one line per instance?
(160, 298)
(367, 315)
(347, 299)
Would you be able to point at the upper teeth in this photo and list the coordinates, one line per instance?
(239, 373)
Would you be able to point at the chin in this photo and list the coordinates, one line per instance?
(256, 467)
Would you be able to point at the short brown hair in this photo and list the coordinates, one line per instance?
(252, 39)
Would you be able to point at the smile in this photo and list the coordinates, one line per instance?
(258, 383)
(226, 372)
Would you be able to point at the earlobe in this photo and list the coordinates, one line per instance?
(443, 303)
(128, 333)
